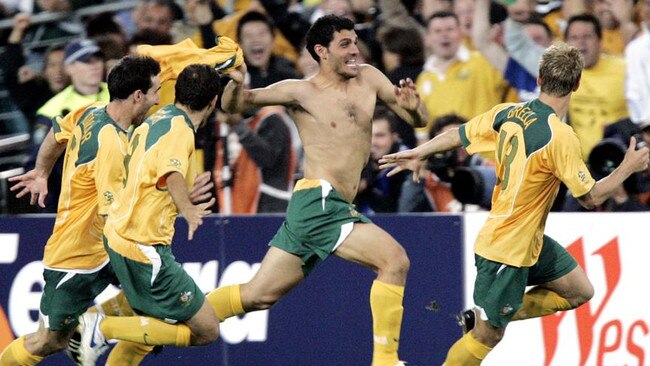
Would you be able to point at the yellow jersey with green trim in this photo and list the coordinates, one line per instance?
(92, 176)
(144, 212)
(534, 151)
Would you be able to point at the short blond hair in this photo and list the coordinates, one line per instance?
(560, 69)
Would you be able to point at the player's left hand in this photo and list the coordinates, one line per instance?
(202, 189)
(406, 95)
(33, 183)
(403, 160)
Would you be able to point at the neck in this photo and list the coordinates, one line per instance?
(559, 104)
(195, 116)
(120, 113)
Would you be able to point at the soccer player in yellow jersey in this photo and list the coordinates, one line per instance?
(534, 152)
(76, 264)
(160, 166)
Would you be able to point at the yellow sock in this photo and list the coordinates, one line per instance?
(226, 301)
(115, 306)
(387, 310)
(128, 354)
(17, 355)
(145, 330)
(467, 351)
(540, 302)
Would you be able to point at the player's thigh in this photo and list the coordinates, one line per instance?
(559, 272)
(279, 272)
(371, 246)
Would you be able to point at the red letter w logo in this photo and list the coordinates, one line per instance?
(585, 317)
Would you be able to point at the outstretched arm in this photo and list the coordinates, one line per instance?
(34, 182)
(236, 98)
(413, 159)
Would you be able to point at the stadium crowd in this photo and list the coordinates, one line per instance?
(465, 56)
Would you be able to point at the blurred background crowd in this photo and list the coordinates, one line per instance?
(464, 55)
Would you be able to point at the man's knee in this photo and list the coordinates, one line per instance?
(487, 334)
(397, 261)
(45, 343)
(205, 335)
(585, 294)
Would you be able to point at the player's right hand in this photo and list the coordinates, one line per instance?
(637, 160)
(194, 216)
(238, 74)
(33, 183)
(202, 189)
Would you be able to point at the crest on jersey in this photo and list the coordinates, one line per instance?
(175, 163)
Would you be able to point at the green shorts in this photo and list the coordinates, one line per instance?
(67, 295)
(161, 288)
(318, 220)
(499, 288)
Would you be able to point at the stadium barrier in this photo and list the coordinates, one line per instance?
(326, 320)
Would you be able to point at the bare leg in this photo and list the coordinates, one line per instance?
(278, 274)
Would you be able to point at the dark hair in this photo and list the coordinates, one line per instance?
(444, 121)
(253, 16)
(101, 24)
(48, 52)
(383, 113)
(587, 18)
(537, 20)
(322, 32)
(130, 74)
(196, 86)
(150, 37)
(405, 42)
(443, 14)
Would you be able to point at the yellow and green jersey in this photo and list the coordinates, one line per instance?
(92, 176)
(534, 151)
(144, 212)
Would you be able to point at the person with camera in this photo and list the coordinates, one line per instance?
(534, 152)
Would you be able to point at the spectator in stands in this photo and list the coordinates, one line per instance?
(110, 37)
(84, 64)
(28, 89)
(256, 38)
(455, 79)
(617, 20)
(433, 192)
(637, 85)
(600, 100)
(259, 147)
(149, 37)
(484, 37)
(378, 192)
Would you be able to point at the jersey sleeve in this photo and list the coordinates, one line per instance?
(567, 163)
(478, 135)
(175, 150)
(64, 125)
(109, 168)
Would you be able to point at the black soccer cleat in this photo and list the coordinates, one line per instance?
(467, 320)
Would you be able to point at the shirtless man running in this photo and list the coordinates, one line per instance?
(333, 111)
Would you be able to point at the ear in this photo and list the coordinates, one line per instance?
(575, 88)
(321, 51)
(213, 103)
(138, 96)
